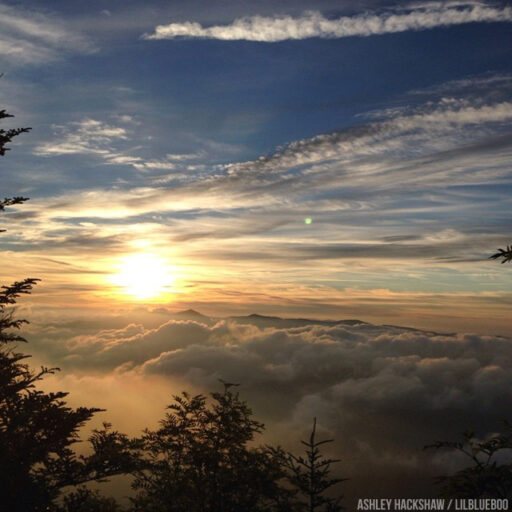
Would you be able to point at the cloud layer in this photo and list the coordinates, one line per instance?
(89, 137)
(403, 151)
(383, 392)
(29, 37)
(314, 24)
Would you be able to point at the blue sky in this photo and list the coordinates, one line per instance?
(206, 133)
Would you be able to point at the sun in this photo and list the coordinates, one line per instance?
(143, 276)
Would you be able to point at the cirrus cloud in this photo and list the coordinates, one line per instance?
(314, 24)
(30, 37)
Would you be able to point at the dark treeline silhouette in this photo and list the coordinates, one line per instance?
(486, 477)
(201, 458)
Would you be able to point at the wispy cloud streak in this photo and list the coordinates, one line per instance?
(29, 37)
(400, 193)
(314, 24)
(88, 136)
(404, 152)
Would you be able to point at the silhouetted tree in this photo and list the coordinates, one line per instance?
(200, 460)
(311, 476)
(9, 201)
(6, 136)
(86, 500)
(504, 254)
(38, 429)
(487, 477)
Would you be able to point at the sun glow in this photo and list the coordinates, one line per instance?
(144, 276)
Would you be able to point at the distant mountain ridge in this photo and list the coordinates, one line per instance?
(258, 319)
(263, 321)
(190, 312)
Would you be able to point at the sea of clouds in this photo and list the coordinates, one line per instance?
(381, 392)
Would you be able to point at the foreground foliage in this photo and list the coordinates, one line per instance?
(489, 475)
(200, 460)
(6, 136)
(310, 474)
(504, 254)
(38, 429)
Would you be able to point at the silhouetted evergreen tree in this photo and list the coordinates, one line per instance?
(310, 474)
(38, 429)
(487, 477)
(86, 500)
(6, 136)
(199, 460)
(504, 254)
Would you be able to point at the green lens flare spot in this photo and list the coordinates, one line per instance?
(308, 220)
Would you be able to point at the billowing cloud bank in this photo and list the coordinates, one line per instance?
(314, 24)
(382, 391)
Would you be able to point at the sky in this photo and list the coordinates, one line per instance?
(277, 157)
(333, 159)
